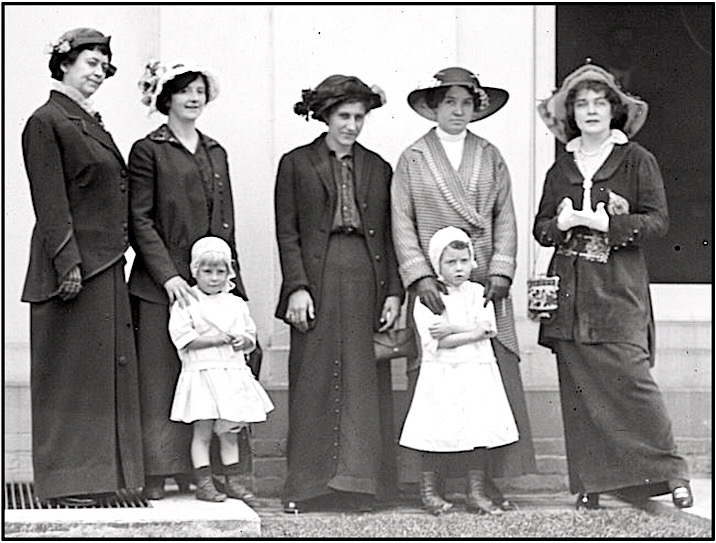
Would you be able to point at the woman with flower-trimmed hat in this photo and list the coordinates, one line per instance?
(86, 436)
(452, 177)
(340, 285)
(180, 191)
(602, 200)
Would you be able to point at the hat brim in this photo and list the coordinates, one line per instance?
(418, 101)
(554, 112)
(186, 67)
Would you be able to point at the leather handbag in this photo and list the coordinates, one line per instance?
(399, 343)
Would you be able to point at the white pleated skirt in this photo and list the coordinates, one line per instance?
(458, 407)
(229, 394)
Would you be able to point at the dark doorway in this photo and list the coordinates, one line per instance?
(663, 53)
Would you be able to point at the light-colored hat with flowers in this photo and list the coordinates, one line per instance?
(157, 74)
(441, 239)
(554, 113)
(216, 248)
(490, 99)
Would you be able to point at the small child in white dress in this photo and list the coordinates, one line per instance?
(216, 391)
(459, 404)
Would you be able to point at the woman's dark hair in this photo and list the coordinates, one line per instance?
(619, 110)
(173, 86)
(435, 97)
(58, 59)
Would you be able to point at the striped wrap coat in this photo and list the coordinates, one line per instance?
(428, 194)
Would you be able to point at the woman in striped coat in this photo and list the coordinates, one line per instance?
(451, 177)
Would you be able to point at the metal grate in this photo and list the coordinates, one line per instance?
(22, 496)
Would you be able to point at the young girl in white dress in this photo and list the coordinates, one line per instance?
(216, 391)
(459, 404)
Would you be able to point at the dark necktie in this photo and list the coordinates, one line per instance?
(346, 191)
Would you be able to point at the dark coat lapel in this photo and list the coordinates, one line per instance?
(320, 160)
(605, 171)
(89, 126)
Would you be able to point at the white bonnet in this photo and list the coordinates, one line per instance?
(218, 248)
(441, 239)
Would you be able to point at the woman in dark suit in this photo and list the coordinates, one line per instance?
(85, 403)
(179, 192)
(340, 284)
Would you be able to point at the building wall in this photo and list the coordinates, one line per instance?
(265, 56)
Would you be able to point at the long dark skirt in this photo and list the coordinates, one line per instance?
(85, 400)
(334, 433)
(617, 431)
(167, 444)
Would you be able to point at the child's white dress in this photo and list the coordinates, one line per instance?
(215, 382)
(459, 402)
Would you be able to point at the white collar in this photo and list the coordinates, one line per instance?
(74, 94)
(616, 137)
(444, 136)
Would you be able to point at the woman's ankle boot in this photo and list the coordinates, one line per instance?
(432, 501)
(154, 487)
(236, 485)
(475, 499)
(205, 489)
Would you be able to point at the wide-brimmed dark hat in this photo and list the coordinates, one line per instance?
(490, 99)
(72, 39)
(334, 90)
(554, 112)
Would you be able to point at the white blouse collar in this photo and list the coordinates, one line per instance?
(616, 137)
(74, 94)
(444, 136)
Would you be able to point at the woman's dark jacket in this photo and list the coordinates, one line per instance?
(81, 208)
(305, 199)
(169, 211)
(605, 302)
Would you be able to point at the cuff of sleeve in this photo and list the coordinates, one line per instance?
(622, 232)
(66, 258)
(550, 235)
(503, 265)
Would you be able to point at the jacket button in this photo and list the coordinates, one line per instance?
(382, 283)
(124, 173)
(377, 257)
(371, 232)
(225, 225)
(220, 184)
(216, 176)
(122, 360)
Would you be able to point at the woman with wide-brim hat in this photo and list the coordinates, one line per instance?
(452, 177)
(86, 439)
(340, 285)
(180, 192)
(602, 200)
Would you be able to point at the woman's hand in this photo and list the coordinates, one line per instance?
(429, 289)
(300, 310)
(390, 313)
(618, 205)
(179, 290)
(71, 284)
(497, 289)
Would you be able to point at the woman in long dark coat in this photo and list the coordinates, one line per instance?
(340, 284)
(179, 192)
(85, 405)
(602, 200)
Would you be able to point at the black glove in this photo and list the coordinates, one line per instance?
(498, 286)
(429, 289)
